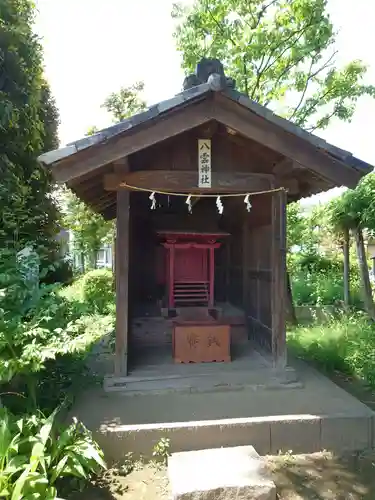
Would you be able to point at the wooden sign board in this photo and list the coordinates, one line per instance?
(201, 343)
(204, 163)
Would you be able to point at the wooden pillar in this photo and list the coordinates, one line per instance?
(279, 285)
(346, 246)
(212, 276)
(245, 265)
(122, 277)
(228, 265)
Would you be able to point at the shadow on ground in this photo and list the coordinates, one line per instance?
(319, 476)
(144, 482)
(322, 476)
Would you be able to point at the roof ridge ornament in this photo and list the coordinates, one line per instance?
(209, 71)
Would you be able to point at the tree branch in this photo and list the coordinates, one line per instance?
(254, 27)
(283, 73)
(299, 32)
(268, 65)
(315, 127)
(245, 75)
(257, 19)
(308, 80)
(264, 9)
(310, 109)
(219, 25)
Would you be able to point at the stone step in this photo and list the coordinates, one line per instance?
(221, 473)
(269, 434)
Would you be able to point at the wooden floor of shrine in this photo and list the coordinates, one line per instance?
(153, 371)
(157, 361)
(152, 368)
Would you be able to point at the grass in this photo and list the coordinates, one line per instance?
(345, 343)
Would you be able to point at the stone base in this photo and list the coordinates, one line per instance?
(220, 474)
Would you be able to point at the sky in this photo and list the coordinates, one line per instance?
(93, 47)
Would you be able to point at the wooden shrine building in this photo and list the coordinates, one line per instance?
(199, 185)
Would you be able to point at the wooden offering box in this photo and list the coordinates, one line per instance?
(201, 342)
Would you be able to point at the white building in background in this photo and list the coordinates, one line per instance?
(66, 239)
(104, 257)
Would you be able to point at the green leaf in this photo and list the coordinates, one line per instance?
(74, 467)
(5, 434)
(16, 464)
(59, 469)
(281, 53)
(20, 483)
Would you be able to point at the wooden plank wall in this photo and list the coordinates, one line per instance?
(257, 273)
(229, 153)
(258, 276)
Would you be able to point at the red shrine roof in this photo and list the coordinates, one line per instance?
(189, 234)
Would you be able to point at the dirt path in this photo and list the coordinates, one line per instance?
(324, 477)
(319, 476)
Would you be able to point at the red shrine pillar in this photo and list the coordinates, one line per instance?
(171, 277)
(211, 257)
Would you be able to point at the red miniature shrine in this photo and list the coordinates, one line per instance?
(190, 267)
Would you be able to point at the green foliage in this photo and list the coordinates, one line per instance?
(92, 130)
(354, 212)
(98, 289)
(319, 288)
(49, 115)
(42, 329)
(281, 53)
(60, 271)
(162, 449)
(126, 102)
(345, 344)
(311, 231)
(28, 124)
(355, 207)
(295, 225)
(315, 259)
(36, 455)
(89, 229)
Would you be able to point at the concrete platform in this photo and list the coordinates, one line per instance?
(224, 474)
(318, 416)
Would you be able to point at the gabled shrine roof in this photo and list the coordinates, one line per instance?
(191, 94)
(208, 96)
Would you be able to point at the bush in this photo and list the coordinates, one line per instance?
(48, 364)
(318, 279)
(38, 456)
(345, 344)
(45, 338)
(318, 288)
(60, 271)
(98, 289)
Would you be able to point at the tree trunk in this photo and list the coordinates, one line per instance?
(290, 310)
(346, 246)
(82, 258)
(93, 259)
(363, 271)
